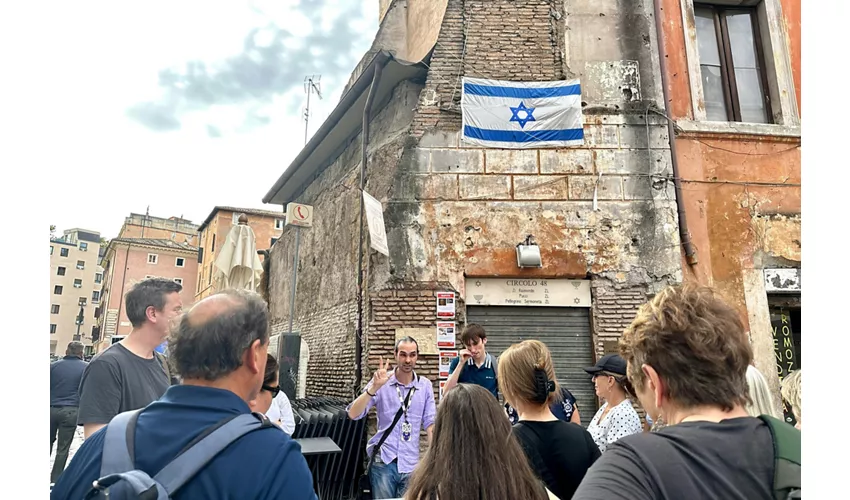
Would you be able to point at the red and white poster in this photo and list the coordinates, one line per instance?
(445, 305)
(445, 334)
(446, 358)
(442, 386)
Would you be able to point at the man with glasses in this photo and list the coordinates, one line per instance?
(391, 390)
(220, 351)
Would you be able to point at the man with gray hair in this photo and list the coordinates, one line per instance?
(65, 375)
(220, 351)
(130, 375)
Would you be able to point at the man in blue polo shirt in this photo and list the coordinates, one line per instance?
(219, 350)
(473, 365)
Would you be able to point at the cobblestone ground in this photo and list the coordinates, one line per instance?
(75, 444)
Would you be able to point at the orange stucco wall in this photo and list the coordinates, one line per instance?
(734, 186)
(791, 11)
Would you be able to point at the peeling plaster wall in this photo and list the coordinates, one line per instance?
(740, 182)
(452, 210)
(424, 18)
(460, 210)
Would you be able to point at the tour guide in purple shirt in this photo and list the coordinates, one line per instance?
(387, 391)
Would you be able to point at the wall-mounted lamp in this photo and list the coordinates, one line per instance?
(528, 253)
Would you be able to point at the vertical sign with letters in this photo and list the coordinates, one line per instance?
(783, 348)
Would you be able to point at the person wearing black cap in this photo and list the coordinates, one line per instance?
(616, 418)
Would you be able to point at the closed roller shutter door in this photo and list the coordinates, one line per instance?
(564, 330)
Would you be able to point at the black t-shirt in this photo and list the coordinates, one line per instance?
(559, 453)
(731, 459)
(116, 381)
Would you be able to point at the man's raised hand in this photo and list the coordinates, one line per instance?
(381, 376)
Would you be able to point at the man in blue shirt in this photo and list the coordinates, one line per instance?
(65, 375)
(473, 364)
(219, 350)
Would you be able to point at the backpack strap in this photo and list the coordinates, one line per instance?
(787, 452)
(118, 444)
(190, 462)
(163, 362)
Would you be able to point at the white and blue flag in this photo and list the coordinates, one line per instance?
(521, 115)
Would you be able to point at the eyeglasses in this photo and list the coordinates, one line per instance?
(274, 390)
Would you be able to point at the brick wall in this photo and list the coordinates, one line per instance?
(410, 305)
(614, 308)
(329, 333)
(499, 39)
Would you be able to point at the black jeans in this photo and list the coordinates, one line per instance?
(64, 420)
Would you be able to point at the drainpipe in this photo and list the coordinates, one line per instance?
(684, 234)
(121, 298)
(364, 136)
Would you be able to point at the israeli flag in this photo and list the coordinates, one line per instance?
(521, 115)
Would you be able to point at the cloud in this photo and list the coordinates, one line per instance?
(273, 62)
(213, 131)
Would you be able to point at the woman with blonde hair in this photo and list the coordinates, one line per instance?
(792, 393)
(560, 453)
(472, 453)
(761, 402)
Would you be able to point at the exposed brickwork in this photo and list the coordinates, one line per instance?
(614, 308)
(412, 307)
(499, 39)
(328, 333)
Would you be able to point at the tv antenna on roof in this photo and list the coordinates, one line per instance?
(312, 84)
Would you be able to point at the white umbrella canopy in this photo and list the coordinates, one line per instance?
(237, 264)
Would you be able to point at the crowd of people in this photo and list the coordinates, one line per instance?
(505, 427)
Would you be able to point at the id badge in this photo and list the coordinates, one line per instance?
(406, 431)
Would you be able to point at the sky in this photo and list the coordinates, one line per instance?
(182, 105)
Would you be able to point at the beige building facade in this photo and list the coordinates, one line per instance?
(76, 280)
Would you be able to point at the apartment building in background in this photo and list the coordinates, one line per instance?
(267, 226)
(165, 251)
(171, 228)
(75, 286)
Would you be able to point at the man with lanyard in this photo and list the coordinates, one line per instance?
(474, 365)
(389, 391)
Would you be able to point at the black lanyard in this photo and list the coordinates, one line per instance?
(406, 401)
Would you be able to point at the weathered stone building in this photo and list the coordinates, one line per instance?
(455, 214)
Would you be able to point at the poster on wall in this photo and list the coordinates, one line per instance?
(446, 334)
(446, 358)
(445, 305)
(442, 386)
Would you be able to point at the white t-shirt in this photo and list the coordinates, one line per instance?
(280, 412)
(621, 421)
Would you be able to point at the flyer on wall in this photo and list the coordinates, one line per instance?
(446, 334)
(442, 386)
(446, 358)
(445, 304)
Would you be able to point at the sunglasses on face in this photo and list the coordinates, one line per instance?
(273, 390)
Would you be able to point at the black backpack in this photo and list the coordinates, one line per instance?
(120, 479)
(787, 452)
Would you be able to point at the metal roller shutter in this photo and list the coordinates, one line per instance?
(564, 330)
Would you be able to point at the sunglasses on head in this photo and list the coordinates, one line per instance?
(273, 390)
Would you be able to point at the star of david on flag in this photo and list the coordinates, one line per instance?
(526, 114)
(521, 115)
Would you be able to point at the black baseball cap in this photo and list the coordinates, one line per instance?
(612, 363)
